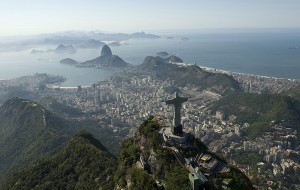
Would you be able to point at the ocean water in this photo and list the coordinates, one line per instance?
(270, 54)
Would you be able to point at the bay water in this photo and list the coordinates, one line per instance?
(275, 54)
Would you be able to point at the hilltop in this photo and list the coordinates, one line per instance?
(146, 162)
(183, 74)
(83, 164)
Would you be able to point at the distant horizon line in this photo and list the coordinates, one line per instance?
(152, 31)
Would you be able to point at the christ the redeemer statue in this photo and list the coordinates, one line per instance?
(176, 102)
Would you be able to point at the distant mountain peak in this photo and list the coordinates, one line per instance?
(184, 74)
(106, 51)
(91, 43)
(65, 49)
(107, 59)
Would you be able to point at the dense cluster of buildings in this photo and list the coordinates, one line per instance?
(276, 150)
(130, 101)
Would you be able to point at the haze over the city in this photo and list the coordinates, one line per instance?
(33, 17)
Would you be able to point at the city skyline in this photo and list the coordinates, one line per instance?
(33, 17)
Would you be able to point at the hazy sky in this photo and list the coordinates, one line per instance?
(40, 16)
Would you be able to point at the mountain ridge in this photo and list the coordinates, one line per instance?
(83, 164)
(28, 132)
(184, 74)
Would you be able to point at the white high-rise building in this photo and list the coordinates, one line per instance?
(237, 130)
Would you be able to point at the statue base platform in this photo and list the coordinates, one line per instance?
(173, 139)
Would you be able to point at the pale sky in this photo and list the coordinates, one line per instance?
(22, 17)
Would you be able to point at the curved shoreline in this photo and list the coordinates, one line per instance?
(210, 69)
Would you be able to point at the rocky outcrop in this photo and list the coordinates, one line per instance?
(107, 59)
(106, 51)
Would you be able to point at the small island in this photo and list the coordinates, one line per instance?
(61, 49)
(69, 61)
(162, 54)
